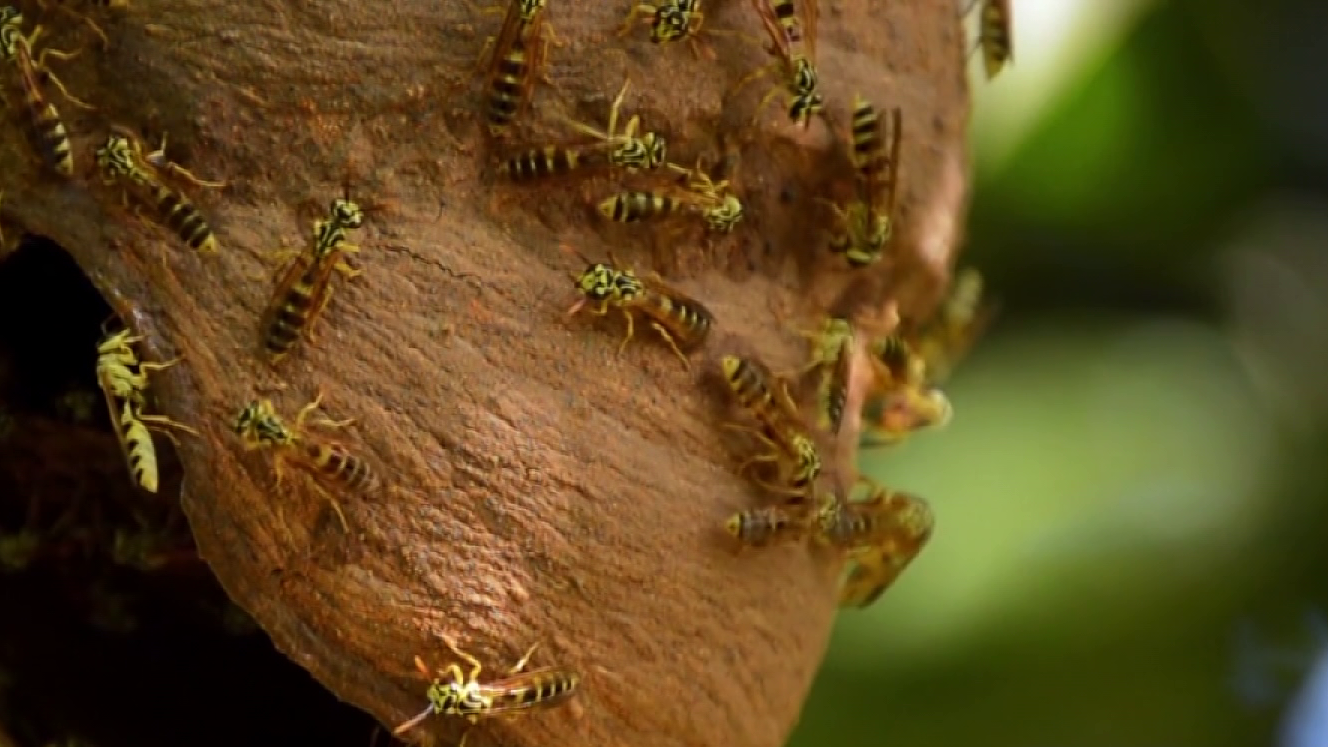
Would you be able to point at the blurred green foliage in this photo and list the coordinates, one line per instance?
(1130, 499)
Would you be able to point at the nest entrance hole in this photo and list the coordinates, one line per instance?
(111, 630)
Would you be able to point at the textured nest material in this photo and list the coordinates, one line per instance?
(555, 492)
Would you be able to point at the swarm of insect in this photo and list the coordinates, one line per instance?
(123, 380)
(866, 225)
(789, 447)
(683, 322)
(510, 62)
(122, 161)
(304, 287)
(329, 462)
(995, 38)
(793, 44)
(47, 129)
(618, 150)
(459, 693)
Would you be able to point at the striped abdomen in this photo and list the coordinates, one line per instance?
(759, 527)
(687, 321)
(180, 215)
(898, 357)
(335, 462)
(869, 156)
(509, 87)
(552, 160)
(630, 207)
(995, 36)
(289, 316)
(806, 459)
(532, 689)
(847, 528)
(749, 383)
(835, 386)
(139, 451)
(51, 137)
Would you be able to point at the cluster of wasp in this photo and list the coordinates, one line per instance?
(880, 533)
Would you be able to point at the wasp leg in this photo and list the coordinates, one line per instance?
(636, 13)
(521, 663)
(673, 345)
(631, 330)
(475, 666)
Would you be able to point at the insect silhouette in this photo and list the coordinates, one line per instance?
(122, 161)
(680, 320)
(711, 201)
(124, 382)
(867, 224)
(304, 287)
(995, 34)
(329, 462)
(831, 360)
(460, 693)
(510, 62)
(47, 129)
(617, 149)
(882, 534)
(789, 447)
(793, 44)
(768, 525)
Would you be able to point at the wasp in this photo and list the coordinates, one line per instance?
(131, 427)
(122, 161)
(765, 397)
(460, 693)
(259, 427)
(304, 287)
(511, 59)
(832, 358)
(949, 334)
(995, 38)
(670, 20)
(882, 534)
(767, 525)
(623, 150)
(911, 363)
(700, 195)
(48, 129)
(793, 44)
(683, 322)
(123, 380)
(119, 371)
(867, 223)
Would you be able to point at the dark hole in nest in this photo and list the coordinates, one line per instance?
(111, 631)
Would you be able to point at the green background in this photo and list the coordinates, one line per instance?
(1130, 498)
